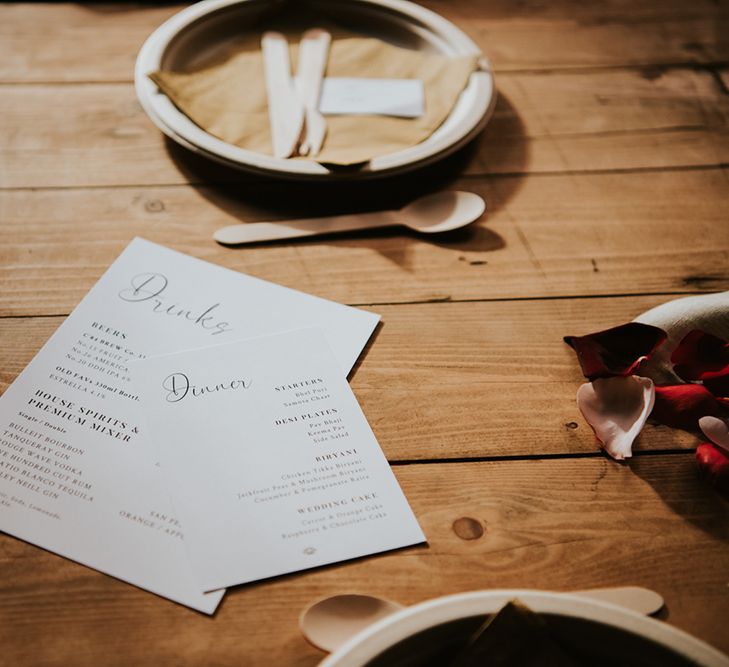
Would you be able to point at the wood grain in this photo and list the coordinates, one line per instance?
(550, 236)
(79, 135)
(74, 42)
(559, 525)
(604, 169)
(42, 42)
(454, 380)
(536, 35)
(723, 74)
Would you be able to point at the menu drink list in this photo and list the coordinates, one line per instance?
(78, 476)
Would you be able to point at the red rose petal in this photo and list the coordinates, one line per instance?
(701, 356)
(616, 351)
(718, 386)
(714, 465)
(682, 405)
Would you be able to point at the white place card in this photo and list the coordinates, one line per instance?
(78, 476)
(383, 97)
(270, 463)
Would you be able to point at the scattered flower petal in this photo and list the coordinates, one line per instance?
(713, 464)
(717, 430)
(616, 408)
(701, 356)
(718, 386)
(683, 340)
(707, 312)
(616, 351)
(682, 405)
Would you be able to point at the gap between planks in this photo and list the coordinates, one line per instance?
(199, 185)
(710, 67)
(537, 457)
(448, 300)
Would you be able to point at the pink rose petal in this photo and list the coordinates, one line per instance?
(617, 408)
(717, 430)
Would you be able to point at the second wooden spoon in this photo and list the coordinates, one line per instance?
(330, 622)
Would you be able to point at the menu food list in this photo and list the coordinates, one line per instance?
(78, 475)
(270, 462)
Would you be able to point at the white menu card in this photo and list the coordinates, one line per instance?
(270, 462)
(78, 476)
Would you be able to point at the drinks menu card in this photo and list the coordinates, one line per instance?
(78, 474)
(270, 463)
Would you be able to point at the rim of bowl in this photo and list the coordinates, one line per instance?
(371, 641)
(172, 122)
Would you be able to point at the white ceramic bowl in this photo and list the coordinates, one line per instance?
(206, 27)
(613, 632)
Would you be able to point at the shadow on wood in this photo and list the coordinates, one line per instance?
(270, 199)
(688, 495)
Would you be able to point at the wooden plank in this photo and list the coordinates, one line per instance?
(723, 74)
(74, 41)
(548, 236)
(61, 42)
(457, 380)
(540, 35)
(485, 379)
(555, 525)
(98, 135)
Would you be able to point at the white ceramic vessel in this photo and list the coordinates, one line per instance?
(206, 27)
(607, 627)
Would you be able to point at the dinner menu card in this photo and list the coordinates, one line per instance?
(78, 474)
(270, 463)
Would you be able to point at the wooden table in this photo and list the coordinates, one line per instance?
(605, 171)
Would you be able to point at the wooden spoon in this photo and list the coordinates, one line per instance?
(431, 214)
(330, 622)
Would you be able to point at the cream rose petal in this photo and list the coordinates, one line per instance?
(617, 408)
(716, 430)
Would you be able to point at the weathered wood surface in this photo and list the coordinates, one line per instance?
(605, 172)
(455, 380)
(658, 232)
(62, 42)
(56, 135)
(555, 525)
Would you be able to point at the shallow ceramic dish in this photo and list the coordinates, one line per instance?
(429, 633)
(193, 37)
